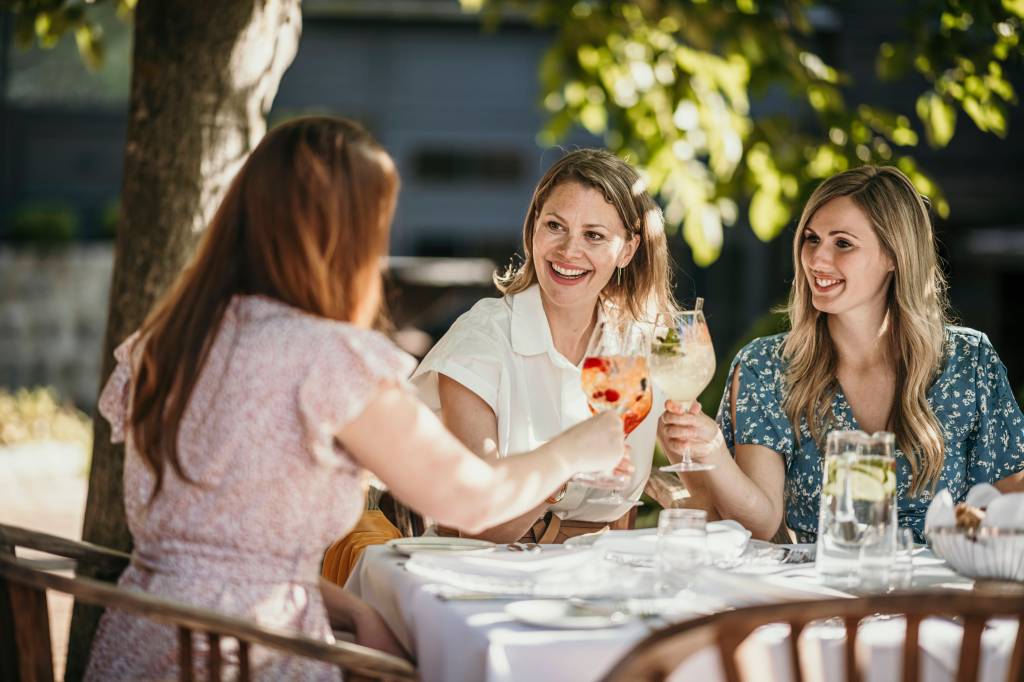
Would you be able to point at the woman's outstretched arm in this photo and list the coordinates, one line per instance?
(472, 421)
(406, 446)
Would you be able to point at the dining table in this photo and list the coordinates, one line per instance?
(458, 632)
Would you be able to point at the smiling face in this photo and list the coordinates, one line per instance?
(578, 241)
(843, 261)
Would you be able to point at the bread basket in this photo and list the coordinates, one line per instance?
(984, 552)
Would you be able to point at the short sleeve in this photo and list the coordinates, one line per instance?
(998, 449)
(349, 372)
(760, 419)
(116, 395)
(466, 355)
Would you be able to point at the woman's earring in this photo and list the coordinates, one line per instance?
(618, 276)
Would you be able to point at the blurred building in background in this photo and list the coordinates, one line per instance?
(458, 109)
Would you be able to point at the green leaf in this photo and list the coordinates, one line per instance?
(89, 39)
(594, 118)
(768, 215)
(1014, 7)
(938, 117)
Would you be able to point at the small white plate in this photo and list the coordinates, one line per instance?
(438, 544)
(560, 613)
(583, 541)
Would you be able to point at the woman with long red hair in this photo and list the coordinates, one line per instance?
(255, 397)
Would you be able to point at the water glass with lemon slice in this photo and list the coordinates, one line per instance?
(858, 503)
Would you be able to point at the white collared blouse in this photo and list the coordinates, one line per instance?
(501, 350)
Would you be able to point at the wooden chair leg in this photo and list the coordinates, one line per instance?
(852, 672)
(1016, 670)
(911, 650)
(970, 649)
(244, 673)
(32, 632)
(185, 671)
(8, 647)
(213, 665)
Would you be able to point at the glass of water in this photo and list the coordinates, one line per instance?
(903, 566)
(682, 548)
(858, 505)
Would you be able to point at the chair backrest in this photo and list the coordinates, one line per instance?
(25, 649)
(409, 523)
(657, 656)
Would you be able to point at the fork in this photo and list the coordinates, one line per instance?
(796, 555)
(523, 547)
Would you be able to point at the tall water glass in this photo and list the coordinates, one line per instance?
(903, 567)
(858, 505)
(682, 548)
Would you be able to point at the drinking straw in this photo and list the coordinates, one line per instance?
(699, 304)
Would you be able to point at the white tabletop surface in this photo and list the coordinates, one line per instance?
(476, 640)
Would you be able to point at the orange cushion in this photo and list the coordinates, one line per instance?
(373, 528)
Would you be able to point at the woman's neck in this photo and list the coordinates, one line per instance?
(861, 339)
(571, 329)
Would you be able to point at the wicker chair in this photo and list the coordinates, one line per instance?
(657, 656)
(25, 648)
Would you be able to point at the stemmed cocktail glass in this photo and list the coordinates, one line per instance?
(615, 378)
(682, 363)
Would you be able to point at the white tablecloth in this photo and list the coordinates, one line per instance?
(476, 640)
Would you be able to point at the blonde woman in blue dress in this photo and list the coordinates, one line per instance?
(871, 347)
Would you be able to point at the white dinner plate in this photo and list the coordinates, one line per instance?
(439, 544)
(560, 613)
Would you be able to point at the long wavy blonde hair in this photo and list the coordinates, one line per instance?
(917, 314)
(646, 281)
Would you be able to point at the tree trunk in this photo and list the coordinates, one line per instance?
(204, 75)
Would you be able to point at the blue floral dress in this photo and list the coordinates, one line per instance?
(972, 400)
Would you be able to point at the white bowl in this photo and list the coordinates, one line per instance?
(985, 553)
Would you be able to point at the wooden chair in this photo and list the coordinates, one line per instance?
(25, 649)
(657, 656)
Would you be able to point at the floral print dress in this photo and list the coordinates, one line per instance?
(275, 487)
(982, 425)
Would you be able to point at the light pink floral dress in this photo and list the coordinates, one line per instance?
(276, 488)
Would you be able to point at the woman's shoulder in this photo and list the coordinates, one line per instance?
(488, 321)
(966, 339)
(283, 328)
(966, 346)
(765, 351)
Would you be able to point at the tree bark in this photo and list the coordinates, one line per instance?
(204, 75)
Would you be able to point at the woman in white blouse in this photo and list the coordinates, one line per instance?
(506, 376)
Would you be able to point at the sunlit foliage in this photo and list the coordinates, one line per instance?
(45, 21)
(700, 94)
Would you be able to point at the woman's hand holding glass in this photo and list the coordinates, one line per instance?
(615, 381)
(598, 443)
(682, 364)
(689, 432)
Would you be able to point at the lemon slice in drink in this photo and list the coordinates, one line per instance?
(871, 485)
(868, 481)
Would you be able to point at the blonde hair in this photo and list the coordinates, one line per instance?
(645, 281)
(917, 314)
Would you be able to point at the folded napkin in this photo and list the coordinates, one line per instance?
(736, 589)
(505, 564)
(549, 573)
(1002, 511)
(726, 540)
